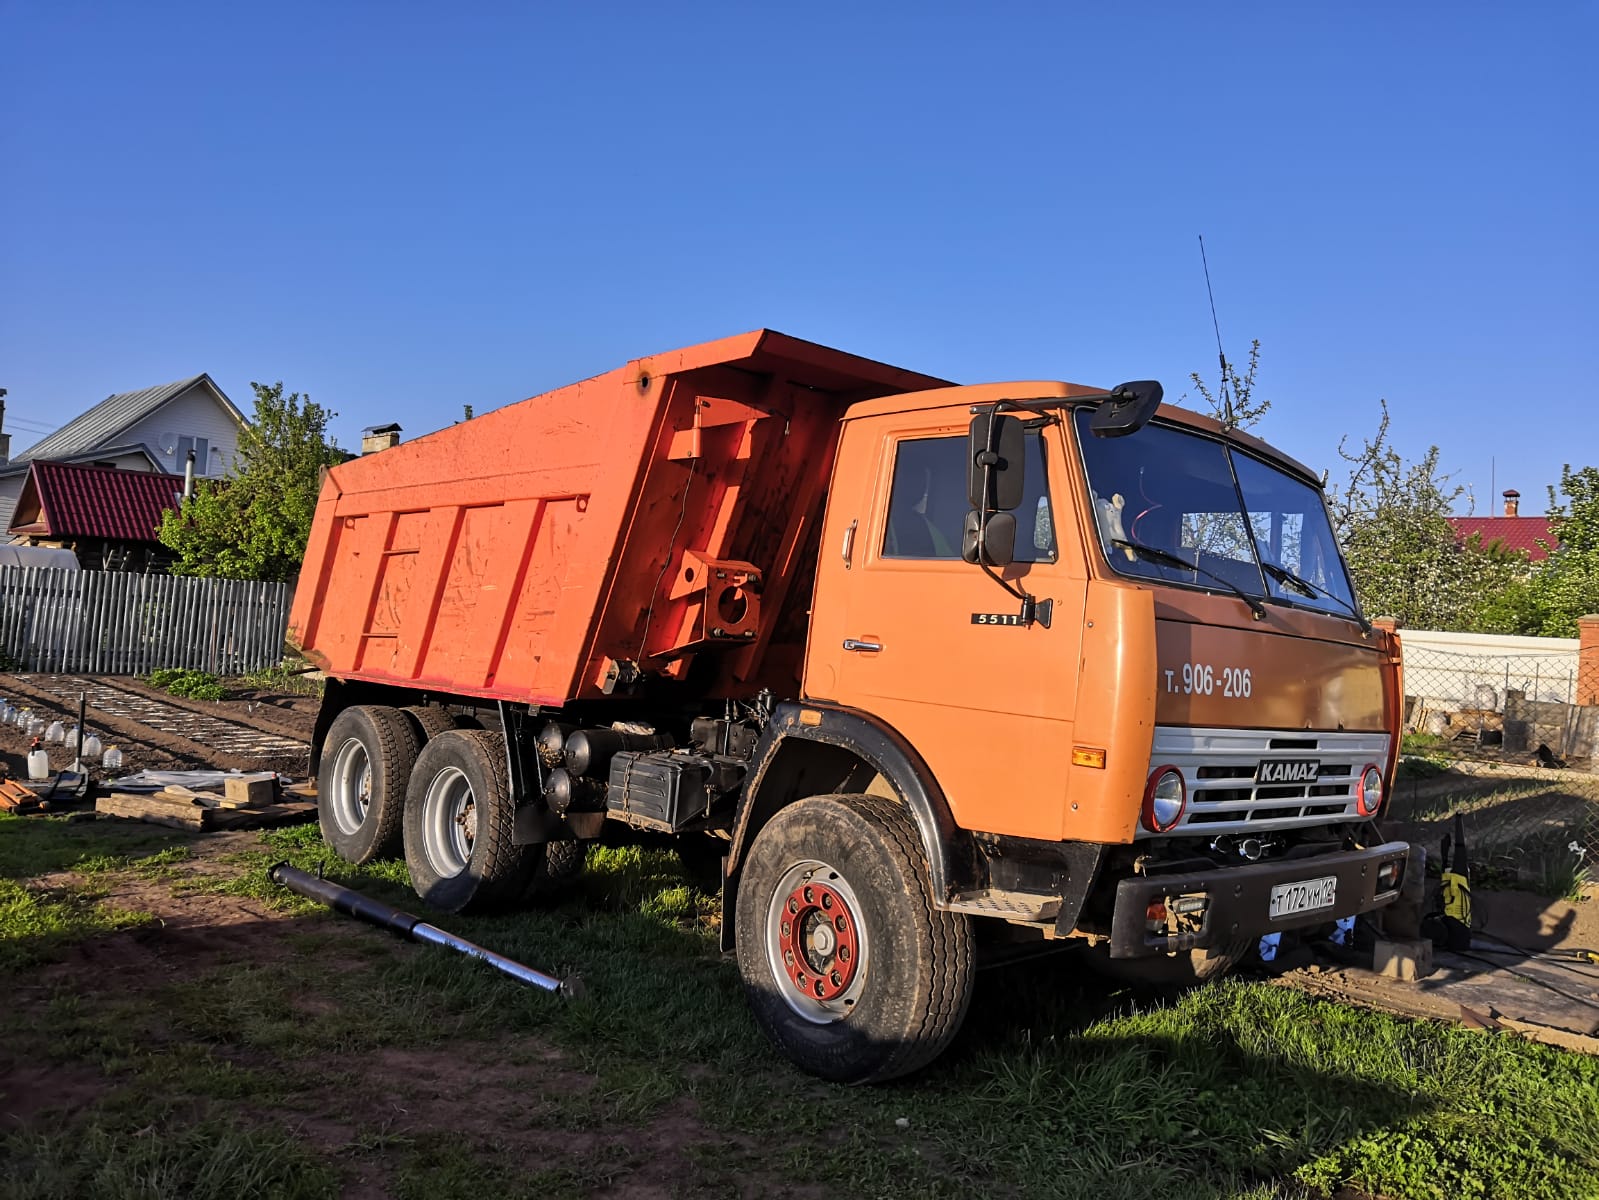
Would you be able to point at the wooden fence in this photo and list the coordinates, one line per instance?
(112, 623)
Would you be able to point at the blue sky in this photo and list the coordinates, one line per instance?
(401, 209)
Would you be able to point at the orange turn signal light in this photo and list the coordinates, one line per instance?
(1085, 756)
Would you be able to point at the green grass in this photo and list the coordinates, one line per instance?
(36, 924)
(38, 845)
(208, 1160)
(289, 676)
(1057, 1086)
(193, 685)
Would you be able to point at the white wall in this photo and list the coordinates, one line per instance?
(195, 413)
(1473, 670)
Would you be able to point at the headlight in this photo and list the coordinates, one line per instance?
(1165, 798)
(1368, 792)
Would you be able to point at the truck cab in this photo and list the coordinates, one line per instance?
(1149, 715)
(1203, 696)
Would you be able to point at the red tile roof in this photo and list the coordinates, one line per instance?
(1514, 533)
(67, 500)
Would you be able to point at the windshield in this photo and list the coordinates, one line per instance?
(1199, 500)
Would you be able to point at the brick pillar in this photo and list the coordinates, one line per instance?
(1588, 659)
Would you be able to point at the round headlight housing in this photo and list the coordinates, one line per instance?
(1165, 798)
(1368, 792)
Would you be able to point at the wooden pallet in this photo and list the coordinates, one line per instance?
(190, 812)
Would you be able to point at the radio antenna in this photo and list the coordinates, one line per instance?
(1221, 357)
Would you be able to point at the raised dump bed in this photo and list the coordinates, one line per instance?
(522, 555)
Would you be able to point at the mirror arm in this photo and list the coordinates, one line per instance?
(990, 457)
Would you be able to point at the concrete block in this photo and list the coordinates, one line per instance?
(1401, 920)
(1408, 961)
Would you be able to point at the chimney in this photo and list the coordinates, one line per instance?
(5, 438)
(1512, 502)
(188, 475)
(379, 437)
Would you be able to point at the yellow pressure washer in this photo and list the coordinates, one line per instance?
(1450, 925)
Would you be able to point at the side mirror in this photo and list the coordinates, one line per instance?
(1128, 410)
(994, 461)
(995, 541)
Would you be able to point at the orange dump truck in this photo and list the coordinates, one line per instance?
(920, 669)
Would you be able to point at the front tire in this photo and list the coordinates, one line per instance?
(848, 966)
(460, 824)
(367, 761)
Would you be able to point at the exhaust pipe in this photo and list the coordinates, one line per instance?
(384, 916)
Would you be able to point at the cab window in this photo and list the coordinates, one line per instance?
(928, 503)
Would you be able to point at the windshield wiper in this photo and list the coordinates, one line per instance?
(1177, 560)
(1305, 588)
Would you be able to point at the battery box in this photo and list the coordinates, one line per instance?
(656, 790)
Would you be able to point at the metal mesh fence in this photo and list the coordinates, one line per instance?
(1509, 739)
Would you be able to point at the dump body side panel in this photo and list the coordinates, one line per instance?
(642, 518)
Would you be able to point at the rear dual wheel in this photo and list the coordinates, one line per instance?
(367, 758)
(849, 967)
(460, 826)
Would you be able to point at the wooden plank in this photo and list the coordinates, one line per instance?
(274, 815)
(153, 809)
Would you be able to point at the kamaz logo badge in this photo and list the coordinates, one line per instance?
(1275, 770)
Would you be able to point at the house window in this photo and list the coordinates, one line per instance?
(202, 453)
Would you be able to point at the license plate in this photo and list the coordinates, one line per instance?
(1305, 896)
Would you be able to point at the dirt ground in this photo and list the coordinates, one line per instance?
(480, 1093)
(474, 1092)
(144, 747)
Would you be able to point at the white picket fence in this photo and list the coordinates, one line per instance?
(113, 623)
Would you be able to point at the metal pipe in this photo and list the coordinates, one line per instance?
(385, 916)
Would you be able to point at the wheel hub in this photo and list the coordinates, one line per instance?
(819, 941)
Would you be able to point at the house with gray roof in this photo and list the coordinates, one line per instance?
(152, 429)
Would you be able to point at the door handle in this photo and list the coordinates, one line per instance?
(856, 644)
(849, 544)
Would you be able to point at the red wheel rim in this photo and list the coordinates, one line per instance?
(819, 942)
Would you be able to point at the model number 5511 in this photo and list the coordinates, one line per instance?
(1203, 679)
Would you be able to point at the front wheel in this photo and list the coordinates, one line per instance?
(850, 969)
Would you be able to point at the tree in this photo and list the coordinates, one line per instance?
(253, 523)
(1393, 520)
(1244, 410)
(1565, 586)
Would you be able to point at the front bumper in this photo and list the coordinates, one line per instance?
(1237, 899)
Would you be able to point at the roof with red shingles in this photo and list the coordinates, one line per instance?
(68, 500)
(1513, 533)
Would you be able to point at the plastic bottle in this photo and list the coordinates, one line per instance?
(56, 732)
(91, 748)
(113, 759)
(38, 762)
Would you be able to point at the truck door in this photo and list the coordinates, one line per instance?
(904, 629)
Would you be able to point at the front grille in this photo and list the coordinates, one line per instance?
(1219, 766)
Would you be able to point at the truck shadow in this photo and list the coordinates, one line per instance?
(1254, 1080)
